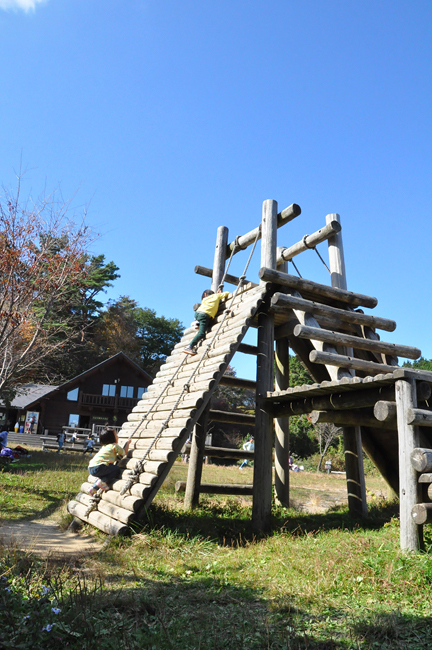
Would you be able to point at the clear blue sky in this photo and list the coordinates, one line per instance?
(172, 118)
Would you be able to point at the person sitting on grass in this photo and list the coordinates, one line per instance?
(102, 465)
(204, 315)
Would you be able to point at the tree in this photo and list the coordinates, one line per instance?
(85, 309)
(138, 332)
(327, 432)
(420, 364)
(43, 262)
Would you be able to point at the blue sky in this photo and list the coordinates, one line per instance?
(168, 119)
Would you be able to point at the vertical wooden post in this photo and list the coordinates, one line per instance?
(411, 534)
(262, 482)
(219, 257)
(198, 439)
(282, 424)
(193, 483)
(352, 435)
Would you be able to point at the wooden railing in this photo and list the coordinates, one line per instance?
(105, 400)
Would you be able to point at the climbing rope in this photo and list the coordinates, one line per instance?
(140, 464)
(314, 248)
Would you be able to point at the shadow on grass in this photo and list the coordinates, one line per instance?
(230, 524)
(186, 612)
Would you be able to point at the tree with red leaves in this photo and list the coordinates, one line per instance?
(43, 262)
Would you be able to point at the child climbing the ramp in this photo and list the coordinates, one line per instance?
(204, 315)
(102, 465)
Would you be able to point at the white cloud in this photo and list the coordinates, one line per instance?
(26, 5)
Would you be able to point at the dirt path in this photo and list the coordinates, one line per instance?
(44, 537)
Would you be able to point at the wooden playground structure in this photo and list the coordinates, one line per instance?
(382, 407)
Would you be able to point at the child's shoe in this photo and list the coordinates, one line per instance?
(98, 485)
(195, 325)
(189, 350)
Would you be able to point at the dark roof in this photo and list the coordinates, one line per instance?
(29, 393)
(116, 357)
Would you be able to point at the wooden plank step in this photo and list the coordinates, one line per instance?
(97, 519)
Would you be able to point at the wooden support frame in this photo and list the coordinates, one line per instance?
(262, 481)
(282, 424)
(308, 241)
(351, 435)
(411, 534)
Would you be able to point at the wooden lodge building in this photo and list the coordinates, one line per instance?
(105, 393)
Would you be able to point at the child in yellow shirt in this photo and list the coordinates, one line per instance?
(204, 315)
(102, 464)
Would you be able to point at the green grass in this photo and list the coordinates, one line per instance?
(185, 581)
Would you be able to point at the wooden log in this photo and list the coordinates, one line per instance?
(238, 382)
(229, 279)
(262, 490)
(289, 301)
(97, 519)
(249, 238)
(156, 455)
(425, 478)
(421, 459)
(106, 508)
(356, 342)
(308, 241)
(137, 490)
(421, 417)
(282, 424)
(224, 452)
(151, 467)
(219, 257)
(408, 440)
(318, 290)
(309, 320)
(216, 488)
(346, 418)
(385, 411)
(128, 502)
(196, 461)
(421, 513)
(352, 435)
(232, 418)
(247, 349)
(341, 361)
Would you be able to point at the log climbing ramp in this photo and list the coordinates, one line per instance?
(358, 385)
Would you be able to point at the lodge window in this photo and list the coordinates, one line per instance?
(72, 395)
(73, 420)
(140, 392)
(126, 391)
(109, 390)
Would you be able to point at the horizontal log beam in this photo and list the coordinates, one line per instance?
(422, 513)
(347, 418)
(319, 290)
(420, 417)
(245, 348)
(286, 301)
(249, 238)
(223, 452)
(356, 342)
(384, 411)
(353, 399)
(238, 382)
(342, 361)
(216, 488)
(229, 279)
(232, 418)
(421, 459)
(308, 241)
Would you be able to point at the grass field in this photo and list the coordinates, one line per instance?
(321, 580)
